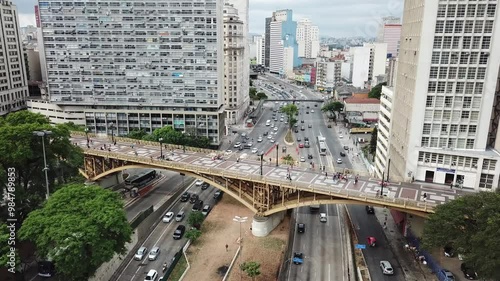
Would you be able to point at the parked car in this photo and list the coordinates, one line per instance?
(185, 197)
(322, 217)
(179, 232)
(206, 210)
(153, 254)
(346, 147)
(469, 272)
(237, 145)
(301, 228)
(168, 217)
(329, 125)
(309, 156)
(198, 205)
(386, 268)
(151, 276)
(302, 159)
(180, 216)
(310, 126)
(445, 275)
(301, 145)
(140, 253)
(370, 210)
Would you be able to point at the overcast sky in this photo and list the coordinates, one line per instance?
(339, 18)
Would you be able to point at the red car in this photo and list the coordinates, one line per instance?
(301, 145)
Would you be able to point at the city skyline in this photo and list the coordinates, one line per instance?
(339, 19)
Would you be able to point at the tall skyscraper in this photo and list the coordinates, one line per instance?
(131, 65)
(267, 42)
(236, 98)
(307, 39)
(13, 76)
(259, 48)
(446, 105)
(283, 54)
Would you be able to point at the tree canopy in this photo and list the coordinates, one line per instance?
(22, 151)
(376, 91)
(169, 135)
(252, 269)
(470, 224)
(254, 95)
(373, 141)
(78, 225)
(290, 110)
(195, 219)
(332, 107)
(193, 234)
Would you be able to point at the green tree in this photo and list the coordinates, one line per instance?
(172, 136)
(261, 96)
(193, 234)
(195, 219)
(332, 107)
(137, 134)
(373, 141)
(252, 92)
(22, 151)
(252, 269)
(288, 159)
(79, 225)
(290, 110)
(470, 223)
(376, 91)
(5, 248)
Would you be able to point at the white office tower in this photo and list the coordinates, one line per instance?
(368, 63)
(258, 40)
(236, 97)
(308, 39)
(131, 65)
(13, 84)
(446, 105)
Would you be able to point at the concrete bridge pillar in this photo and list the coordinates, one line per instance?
(262, 226)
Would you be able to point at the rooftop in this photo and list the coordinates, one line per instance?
(362, 101)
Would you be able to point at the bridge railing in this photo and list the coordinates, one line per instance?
(327, 190)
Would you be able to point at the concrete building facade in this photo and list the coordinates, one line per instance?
(283, 37)
(384, 131)
(368, 63)
(328, 74)
(446, 100)
(258, 40)
(307, 39)
(137, 65)
(391, 36)
(267, 42)
(13, 75)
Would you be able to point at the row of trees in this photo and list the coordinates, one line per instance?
(169, 135)
(254, 95)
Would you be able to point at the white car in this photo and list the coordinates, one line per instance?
(140, 253)
(322, 217)
(275, 129)
(302, 159)
(152, 275)
(254, 150)
(237, 145)
(199, 182)
(272, 140)
(272, 125)
(386, 268)
(312, 110)
(168, 217)
(341, 136)
(154, 253)
(339, 161)
(229, 151)
(269, 137)
(259, 140)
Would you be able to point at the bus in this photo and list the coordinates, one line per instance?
(361, 130)
(322, 145)
(138, 181)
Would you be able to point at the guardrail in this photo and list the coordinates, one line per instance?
(362, 268)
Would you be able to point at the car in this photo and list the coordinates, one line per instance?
(275, 129)
(309, 156)
(140, 253)
(306, 138)
(205, 185)
(301, 145)
(307, 107)
(329, 125)
(272, 140)
(198, 206)
(307, 112)
(322, 217)
(370, 210)
(341, 136)
(179, 232)
(299, 139)
(296, 131)
(296, 125)
(302, 159)
(168, 217)
(218, 194)
(265, 133)
(199, 182)
(298, 258)
(386, 268)
(445, 275)
(238, 144)
(301, 121)
(315, 105)
(243, 141)
(272, 125)
(194, 198)
(259, 139)
(152, 275)
(339, 161)
(269, 137)
(448, 251)
(180, 216)
(255, 150)
(241, 148)
(185, 197)
(346, 147)
(153, 254)
(301, 228)
(229, 151)
(206, 210)
(310, 126)
(312, 110)
(468, 272)
(342, 154)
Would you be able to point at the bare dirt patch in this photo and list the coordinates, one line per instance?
(208, 256)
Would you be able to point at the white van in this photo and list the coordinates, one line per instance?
(268, 123)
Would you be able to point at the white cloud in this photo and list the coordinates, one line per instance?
(27, 19)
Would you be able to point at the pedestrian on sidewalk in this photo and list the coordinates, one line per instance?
(425, 196)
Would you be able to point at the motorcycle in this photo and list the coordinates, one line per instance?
(371, 241)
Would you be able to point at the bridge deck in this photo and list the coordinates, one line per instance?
(403, 195)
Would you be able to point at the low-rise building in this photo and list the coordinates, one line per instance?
(384, 131)
(361, 111)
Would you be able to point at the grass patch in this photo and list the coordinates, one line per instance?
(272, 243)
(179, 269)
(289, 137)
(208, 226)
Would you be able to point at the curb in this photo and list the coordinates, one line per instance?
(232, 263)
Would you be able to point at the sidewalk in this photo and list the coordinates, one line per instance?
(412, 270)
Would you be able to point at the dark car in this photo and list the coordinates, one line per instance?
(301, 228)
(469, 272)
(193, 199)
(185, 197)
(329, 125)
(204, 186)
(179, 232)
(309, 156)
(346, 147)
(266, 133)
(218, 194)
(296, 131)
(342, 154)
(306, 139)
(198, 205)
(301, 121)
(369, 210)
(448, 251)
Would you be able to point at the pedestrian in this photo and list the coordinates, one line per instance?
(385, 225)
(451, 185)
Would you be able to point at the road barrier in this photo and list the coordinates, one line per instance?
(359, 257)
(287, 255)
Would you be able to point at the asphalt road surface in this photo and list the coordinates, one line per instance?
(161, 236)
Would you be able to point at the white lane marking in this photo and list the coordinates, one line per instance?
(341, 243)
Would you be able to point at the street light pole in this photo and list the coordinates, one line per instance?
(87, 135)
(277, 150)
(161, 148)
(382, 185)
(261, 160)
(42, 134)
(240, 220)
(112, 127)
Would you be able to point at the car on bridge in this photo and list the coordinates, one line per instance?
(301, 228)
(298, 258)
(322, 217)
(205, 185)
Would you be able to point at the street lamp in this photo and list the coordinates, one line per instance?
(112, 127)
(161, 149)
(240, 220)
(382, 184)
(277, 150)
(261, 160)
(87, 135)
(42, 134)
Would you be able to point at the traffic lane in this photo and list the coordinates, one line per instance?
(367, 225)
(167, 187)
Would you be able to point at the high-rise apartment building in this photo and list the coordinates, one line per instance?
(368, 63)
(267, 42)
(258, 40)
(307, 39)
(136, 65)
(390, 33)
(236, 97)
(328, 74)
(283, 54)
(445, 112)
(13, 83)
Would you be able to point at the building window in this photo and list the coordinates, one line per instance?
(430, 101)
(470, 144)
(486, 181)
(427, 129)
(465, 114)
(437, 42)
